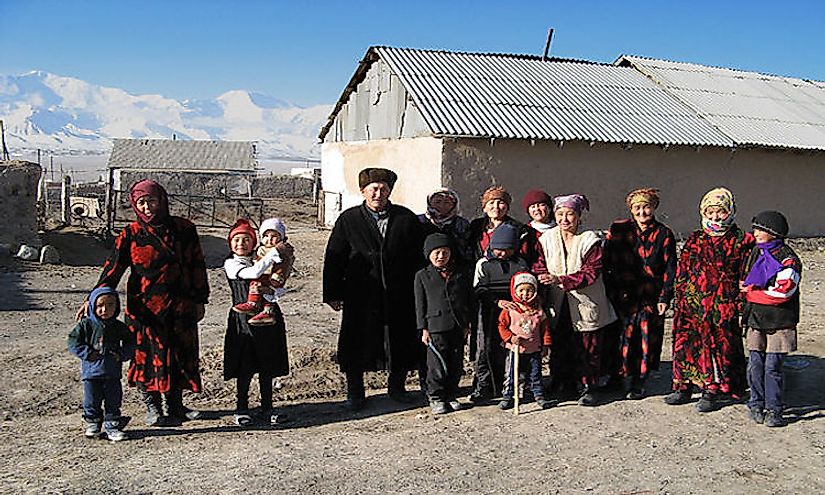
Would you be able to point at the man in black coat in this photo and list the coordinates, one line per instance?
(370, 263)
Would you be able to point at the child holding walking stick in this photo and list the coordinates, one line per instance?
(525, 331)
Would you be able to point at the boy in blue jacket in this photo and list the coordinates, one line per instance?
(102, 342)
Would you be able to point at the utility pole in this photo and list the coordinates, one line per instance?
(4, 152)
(547, 45)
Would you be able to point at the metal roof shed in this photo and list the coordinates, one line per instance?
(183, 156)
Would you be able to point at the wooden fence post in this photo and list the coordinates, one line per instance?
(65, 200)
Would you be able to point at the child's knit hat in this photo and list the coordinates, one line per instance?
(273, 224)
(242, 226)
(523, 278)
(435, 241)
(505, 236)
(772, 222)
(101, 291)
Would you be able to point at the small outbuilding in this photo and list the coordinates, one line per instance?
(470, 120)
(192, 168)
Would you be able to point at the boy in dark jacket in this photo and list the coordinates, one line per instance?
(102, 343)
(442, 309)
(771, 313)
(492, 288)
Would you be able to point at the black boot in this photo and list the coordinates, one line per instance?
(177, 411)
(154, 411)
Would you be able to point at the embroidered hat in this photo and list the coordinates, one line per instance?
(496, 192)
(370, 175)
(771, 222)
(644, 195)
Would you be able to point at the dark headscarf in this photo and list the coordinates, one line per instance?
(148, 187)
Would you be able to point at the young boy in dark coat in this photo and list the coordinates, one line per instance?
(442, 309)
(771, 314)
(492, 288)
(102, 342)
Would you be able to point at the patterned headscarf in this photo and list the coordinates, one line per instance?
(433, 215)
(643, 195)
(724, 199)
(576, 202)
(148, 187)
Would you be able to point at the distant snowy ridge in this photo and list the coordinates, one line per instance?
(68, 115)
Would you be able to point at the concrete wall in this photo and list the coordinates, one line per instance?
(761, 179)
(18, 198)
(417, 161)
(379, 108)
(282, 186)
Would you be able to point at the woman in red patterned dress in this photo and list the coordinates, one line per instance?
(640, 266)
(707, 337)
(165, 297)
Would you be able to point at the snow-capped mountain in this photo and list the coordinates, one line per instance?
(68, 115)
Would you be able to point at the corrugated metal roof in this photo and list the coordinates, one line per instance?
(520, 96)
(165, 154)
(751, 108)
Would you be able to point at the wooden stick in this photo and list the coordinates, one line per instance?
(516, 393)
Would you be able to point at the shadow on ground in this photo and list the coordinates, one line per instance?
(300, 415)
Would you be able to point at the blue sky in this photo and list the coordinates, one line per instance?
(306, 51)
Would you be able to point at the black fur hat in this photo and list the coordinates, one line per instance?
(370, 175)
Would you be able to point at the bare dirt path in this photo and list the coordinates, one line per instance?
(619, 447)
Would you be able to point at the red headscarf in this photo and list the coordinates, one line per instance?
(242, 226)
(148, 187)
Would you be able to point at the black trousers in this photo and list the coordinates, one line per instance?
(355, 383)
(491, 355)
(265, 384)
(442, 384)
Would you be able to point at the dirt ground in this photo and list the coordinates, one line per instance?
(630, 447)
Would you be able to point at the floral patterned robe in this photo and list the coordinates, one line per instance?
(166, 282)
(707, 338)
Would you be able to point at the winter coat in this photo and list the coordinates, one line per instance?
(373, 277)
(101, 347)
(442, 305)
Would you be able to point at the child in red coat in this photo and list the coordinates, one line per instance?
(525, 330)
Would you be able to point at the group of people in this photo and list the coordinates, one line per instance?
(413, 288)
(595, 304)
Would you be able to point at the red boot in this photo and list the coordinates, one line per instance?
(251, 306)
(265, 317)
(247, 308)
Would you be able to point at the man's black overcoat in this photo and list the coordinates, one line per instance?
(374, 278)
